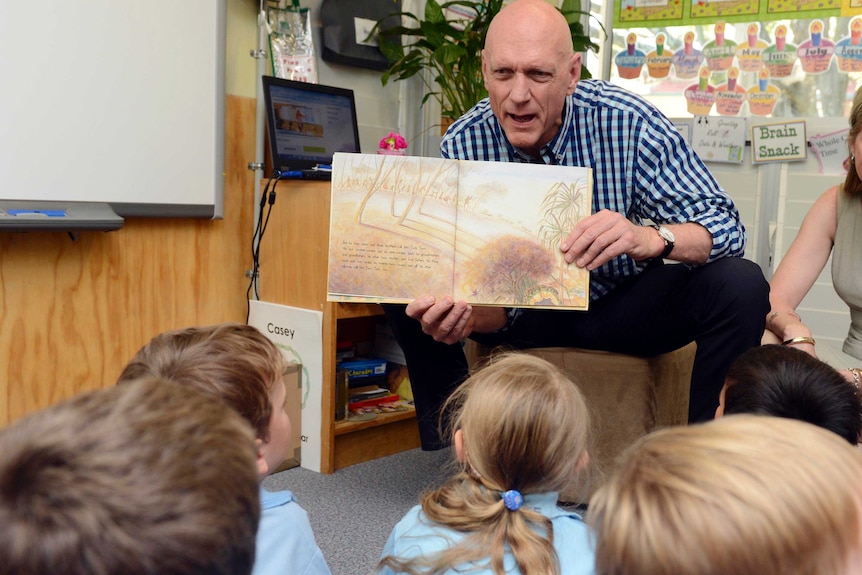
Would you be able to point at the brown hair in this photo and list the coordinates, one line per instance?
(852, 183)
(741, 494)
(232, 361)
(142, 478)
(525, 426)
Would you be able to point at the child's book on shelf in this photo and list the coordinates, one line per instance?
(367, 392)
(485, 232)
(396, 406)
(353, 405)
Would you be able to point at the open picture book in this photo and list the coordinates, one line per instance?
(486, 232)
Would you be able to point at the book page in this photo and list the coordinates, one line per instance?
(512, 218)
(392, 227)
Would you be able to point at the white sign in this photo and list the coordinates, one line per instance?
(719, 139)
(784, 142)
(298, 333)
(831, 151)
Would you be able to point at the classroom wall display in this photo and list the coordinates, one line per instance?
(114, 102)
(744, 68)
(630, 13)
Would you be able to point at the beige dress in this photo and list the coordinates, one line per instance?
(847, 280)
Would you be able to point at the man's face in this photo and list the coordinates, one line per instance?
(527, 86)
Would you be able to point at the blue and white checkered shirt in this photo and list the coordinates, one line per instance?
(642, 167)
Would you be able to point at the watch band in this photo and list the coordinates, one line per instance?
(668, 244)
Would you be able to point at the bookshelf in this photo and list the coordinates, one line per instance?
(293, 267)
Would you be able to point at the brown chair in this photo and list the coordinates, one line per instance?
(628, 395)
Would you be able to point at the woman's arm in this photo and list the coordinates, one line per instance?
(799, 268)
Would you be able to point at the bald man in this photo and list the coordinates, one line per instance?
(653, 198)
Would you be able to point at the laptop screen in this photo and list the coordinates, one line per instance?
(308, 123)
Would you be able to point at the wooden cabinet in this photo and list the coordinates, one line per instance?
(293, 262)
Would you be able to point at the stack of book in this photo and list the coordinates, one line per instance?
(369, 396)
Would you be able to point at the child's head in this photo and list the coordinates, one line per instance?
(786, 382)
(232, 361)
(742, 494)
(141, 478)
(520, 423)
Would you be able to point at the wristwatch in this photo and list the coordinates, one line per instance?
(668, 238)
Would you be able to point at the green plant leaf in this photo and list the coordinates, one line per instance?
(449, 55)
(433, 12)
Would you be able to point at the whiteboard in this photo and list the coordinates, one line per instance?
(117, 102)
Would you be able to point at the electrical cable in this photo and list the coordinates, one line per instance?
(267, 199)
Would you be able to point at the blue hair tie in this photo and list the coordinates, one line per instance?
(512, 499)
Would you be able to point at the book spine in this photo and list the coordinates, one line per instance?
(373, 401)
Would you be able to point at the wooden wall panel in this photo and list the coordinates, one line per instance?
(72, 312)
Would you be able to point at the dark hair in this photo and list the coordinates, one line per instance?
(786, 382)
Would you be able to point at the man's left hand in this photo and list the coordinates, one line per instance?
(599, 238)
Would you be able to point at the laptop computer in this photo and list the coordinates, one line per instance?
(308, 123)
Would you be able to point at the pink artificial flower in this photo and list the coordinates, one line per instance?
(393, 141)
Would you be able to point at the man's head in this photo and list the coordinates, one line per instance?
(741, 494)
(142, 478)
(529, 67)
(234, 362)
(786, 382)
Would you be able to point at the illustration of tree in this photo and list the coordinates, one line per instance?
(561, 211)
(508, 267)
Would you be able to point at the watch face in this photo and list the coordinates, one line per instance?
(665, 234)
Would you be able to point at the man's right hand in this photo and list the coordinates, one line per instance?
(449, 322)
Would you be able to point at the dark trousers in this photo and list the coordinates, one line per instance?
(722, 306)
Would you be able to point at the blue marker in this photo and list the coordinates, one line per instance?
(47, 213)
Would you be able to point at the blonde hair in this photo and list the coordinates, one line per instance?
(743, 494)
(524, 426)
(232, 361)
(137, 479)
(852, 183)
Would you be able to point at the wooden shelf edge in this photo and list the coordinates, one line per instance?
(343, 427)
(375, 442)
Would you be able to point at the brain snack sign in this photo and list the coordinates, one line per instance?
(784, 142)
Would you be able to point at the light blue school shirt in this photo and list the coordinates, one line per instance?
(285, 542)
(415, 535)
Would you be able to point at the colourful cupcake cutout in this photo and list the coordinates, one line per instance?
(630, 62)
(730, 96)
(815, 54)
(659, 60)
(719, 53)
(686, 62)
(848, 51)
(749, 53)
(701, 96)
(780, 57)
(763, 96)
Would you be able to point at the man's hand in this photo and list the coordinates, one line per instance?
(445, 320)
(599, 238)
(449, 322)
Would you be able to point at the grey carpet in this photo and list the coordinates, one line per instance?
(353, 510)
